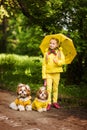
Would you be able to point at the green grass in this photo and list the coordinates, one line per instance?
(73, 94)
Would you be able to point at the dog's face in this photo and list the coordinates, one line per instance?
(42, 93)
(23, 90)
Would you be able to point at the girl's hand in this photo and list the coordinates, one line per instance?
(55, 60)
(45, 82)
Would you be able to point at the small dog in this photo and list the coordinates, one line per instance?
(40, 102)
(23, 101)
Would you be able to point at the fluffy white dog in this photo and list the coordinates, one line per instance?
(23, 100)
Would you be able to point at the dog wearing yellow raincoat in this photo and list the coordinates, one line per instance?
(40, 102)
(23, 100)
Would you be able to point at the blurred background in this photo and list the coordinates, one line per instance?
(23, 25)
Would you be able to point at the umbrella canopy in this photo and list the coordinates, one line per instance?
(66, 44)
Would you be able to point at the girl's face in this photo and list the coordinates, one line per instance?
(53, 44)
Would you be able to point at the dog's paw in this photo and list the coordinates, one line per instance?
(21, 108)
(40, 110)
(44, 109)
(13, 106)
(28, 108)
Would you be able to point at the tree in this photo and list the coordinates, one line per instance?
(42, 13)
(75, 21)
(57, 16)
(6, 12)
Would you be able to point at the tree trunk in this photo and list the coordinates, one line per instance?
(3, 39)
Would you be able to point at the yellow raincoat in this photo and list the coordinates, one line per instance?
(39, 104)
(48, 65)
(51, 72)
(23, 101)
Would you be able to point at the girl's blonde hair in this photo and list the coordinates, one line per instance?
(54, 39)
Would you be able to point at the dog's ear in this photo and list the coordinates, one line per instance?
(46, 94)
(18, 88)
(17, 91)
(38, 93)
(28, 90)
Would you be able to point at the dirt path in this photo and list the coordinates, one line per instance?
(61, 119)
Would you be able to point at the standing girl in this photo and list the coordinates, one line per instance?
(52, 64)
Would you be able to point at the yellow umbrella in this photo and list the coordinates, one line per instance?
(66, 44)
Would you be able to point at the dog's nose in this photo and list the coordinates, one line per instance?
(43, 94)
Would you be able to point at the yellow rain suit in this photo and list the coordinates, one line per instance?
(23, 101)
(39, 104)
(51, 72)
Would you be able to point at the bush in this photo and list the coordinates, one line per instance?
(16, 69)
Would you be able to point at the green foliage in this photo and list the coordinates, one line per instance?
(73, 91)
(22, 38)
(29, 41)
(3, 13)
(16, 69)
(73, 94)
